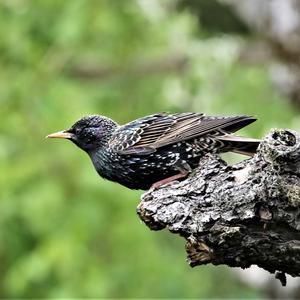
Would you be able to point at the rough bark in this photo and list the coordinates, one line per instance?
(238, 215)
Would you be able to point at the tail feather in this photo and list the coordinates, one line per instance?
(238, 123)
(241, 145)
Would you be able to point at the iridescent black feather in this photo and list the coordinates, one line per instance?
(155, 147)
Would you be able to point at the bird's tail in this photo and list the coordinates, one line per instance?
(240, 144)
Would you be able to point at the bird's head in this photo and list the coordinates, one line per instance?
(88, 133)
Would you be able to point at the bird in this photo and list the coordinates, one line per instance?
(157, 149)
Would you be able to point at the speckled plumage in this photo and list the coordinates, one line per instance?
(155, 147)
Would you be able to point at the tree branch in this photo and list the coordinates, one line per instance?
(167, 64)
(238, 215)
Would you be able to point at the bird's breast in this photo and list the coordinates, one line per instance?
(141, 171)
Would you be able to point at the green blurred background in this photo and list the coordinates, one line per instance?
(64, 232)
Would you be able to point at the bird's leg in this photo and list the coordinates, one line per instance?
(158, 184)
(184, 169)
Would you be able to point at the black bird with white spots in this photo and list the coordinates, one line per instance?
(156, 149)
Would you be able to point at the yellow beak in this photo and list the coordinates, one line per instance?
(60, 135)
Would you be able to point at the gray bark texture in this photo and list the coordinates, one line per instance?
(239, 215)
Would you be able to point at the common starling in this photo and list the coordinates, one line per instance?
(156, 149)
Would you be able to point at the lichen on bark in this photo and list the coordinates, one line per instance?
(238, 215)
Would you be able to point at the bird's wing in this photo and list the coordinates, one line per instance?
(143, 136)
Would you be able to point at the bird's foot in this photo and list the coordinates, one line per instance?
(167, 181)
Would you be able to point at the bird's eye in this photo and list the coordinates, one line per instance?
(75, 131)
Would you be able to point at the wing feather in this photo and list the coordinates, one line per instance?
(145, 135)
